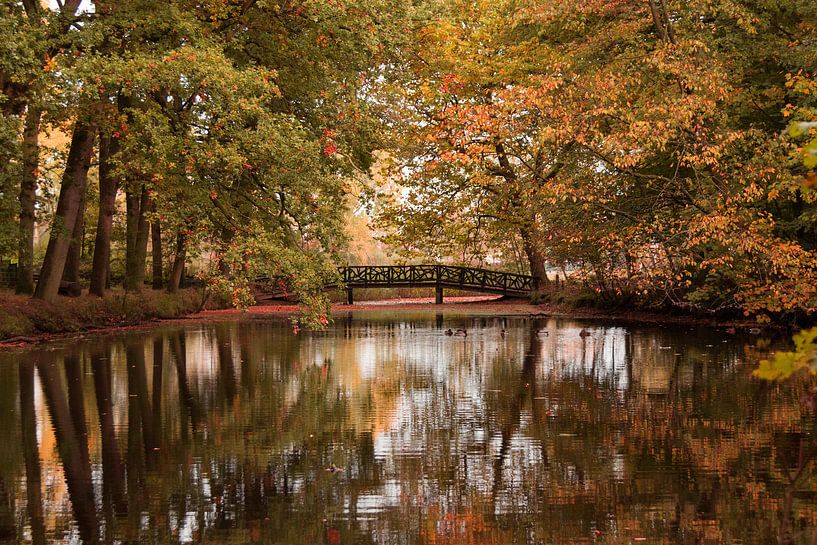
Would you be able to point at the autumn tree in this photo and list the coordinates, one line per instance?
(639, 142)
(232, 127)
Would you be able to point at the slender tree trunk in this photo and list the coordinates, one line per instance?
(667, 22)
(28, 184)
(131, 233)
(62, 228)
(108, 187)
(656, 19)
(226, 364)
(226, 238)
(31, 453)
(178, 263)
(156, 254)
(28, 197)
(158, 372)
(137, 236)
(72, 262)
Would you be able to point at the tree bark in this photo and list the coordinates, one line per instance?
(175, 280)
(74, 258)
(528, 231)
(656, 19)
(226, 238)
(137, 239)
(536, 258)
(156, 254)
(28, 197)
(71, 191)
(108, 187)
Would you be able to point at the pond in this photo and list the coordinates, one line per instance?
(384, 429)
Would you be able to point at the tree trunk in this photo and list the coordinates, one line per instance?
(108, 186)
(131, 234)
(178, 263)
(226, 238)
(62, 228)
(656, 19)
(137, 236)
(528, 231)
(156, 386)
(156, 254)
(179, 347)
(31, 453)
(226, 363)
(112, 469)
(72, 262)
(28, 197)
(73, 451)
(536, 258)
(138, 387)
(76, 399)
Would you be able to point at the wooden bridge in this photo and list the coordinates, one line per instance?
(437, 276)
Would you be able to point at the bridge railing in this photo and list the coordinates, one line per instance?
(437, 275)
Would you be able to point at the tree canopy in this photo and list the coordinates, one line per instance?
(642, 143)
(661, 152)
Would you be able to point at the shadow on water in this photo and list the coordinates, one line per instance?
(385, 430)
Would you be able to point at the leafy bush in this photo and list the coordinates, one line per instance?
(13, 324)
(22, 316)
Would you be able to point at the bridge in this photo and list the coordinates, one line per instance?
(437, 276)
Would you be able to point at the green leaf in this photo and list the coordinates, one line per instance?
(799, 128)
(784, 365)
(810, 154)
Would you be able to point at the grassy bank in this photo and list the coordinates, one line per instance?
(574, 297)
(21, 316)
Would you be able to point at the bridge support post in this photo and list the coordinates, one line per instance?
(438, 295)
(350, 299)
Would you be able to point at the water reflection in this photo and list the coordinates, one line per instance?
(384, 430)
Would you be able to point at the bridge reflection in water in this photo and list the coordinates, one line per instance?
(437, 276)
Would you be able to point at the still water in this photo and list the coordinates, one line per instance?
(383, 429)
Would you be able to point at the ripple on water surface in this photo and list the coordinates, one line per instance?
(383, 429)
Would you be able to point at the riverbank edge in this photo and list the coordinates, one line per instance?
(25, 321)
(160, 308)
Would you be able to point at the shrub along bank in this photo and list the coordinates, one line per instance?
(22, 316)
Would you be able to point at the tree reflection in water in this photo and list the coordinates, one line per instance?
(384, 430)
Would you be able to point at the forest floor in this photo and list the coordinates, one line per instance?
(81, 317)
